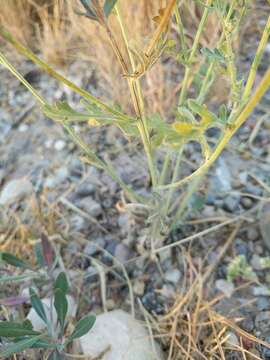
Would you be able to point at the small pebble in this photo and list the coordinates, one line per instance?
(122, 253)
(90, 249)
(232, 339)
(15, 190)
(59, 145)
(231, 203)
(252, 234)
(90, 206)
(23, 128)
(263, 303)
(256, 262)
(226, 287)
(85, 190)
(246, 202)
(139, 288)
(173, 276)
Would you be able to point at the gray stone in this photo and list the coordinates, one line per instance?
(15, 190)
(265, 224)
(231, 203)
(90, 249)
(261, 291)
(90, 206)
(263, 303)
(262, 321)
(122, 253)
(226, 287)
(58, 178)
(85, 189)
(246, 202)
(256, 262)
(252, 234)
(173, 276)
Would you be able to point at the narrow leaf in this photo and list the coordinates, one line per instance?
(14, 329)
(37, 305)
(14, 260)
(61, 307)
(47, 250)
(82, 327)
(13, 301)
(18, 347)
(108, 7)
(61, 283)
(7, 278)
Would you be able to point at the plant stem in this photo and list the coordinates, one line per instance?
(228, 134)
(174, 178)
(257, 59)
(181, 31)
(11, 68)
(194, 49)
(136, 94)
(44, 66)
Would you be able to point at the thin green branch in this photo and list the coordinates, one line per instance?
(257, 59)
(44, 66)
(194, 49)
(11, 68)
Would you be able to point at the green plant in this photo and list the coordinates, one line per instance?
(239, 268)
(19, 335)
(164, 140)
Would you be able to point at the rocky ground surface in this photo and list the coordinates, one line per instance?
(79, 208)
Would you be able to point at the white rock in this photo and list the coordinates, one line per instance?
(38, 323)
(123, 336)
(15, 190)
(59, 145)
(225, 286)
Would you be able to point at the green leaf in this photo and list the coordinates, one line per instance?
(8, 350)
(89, 10)
(61, 111)
(82, 327)
(223, 114)
(14, 260)
(43, 344)
(7, 278)
(61, 283)
(39, 255)
(207, 117)
(213, 54)
(37, 305)
(185, 114)
(61, 307)
(14, 329)
(108, 7)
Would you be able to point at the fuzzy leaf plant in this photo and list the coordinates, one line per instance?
(19, 335)
(163, 140)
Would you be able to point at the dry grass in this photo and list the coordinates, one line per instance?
(193, 330)
(53, 28)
